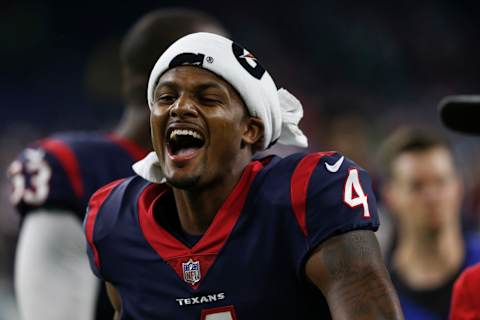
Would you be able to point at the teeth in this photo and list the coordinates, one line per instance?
(182, 132)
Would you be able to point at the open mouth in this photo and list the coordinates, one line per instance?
(184, 142)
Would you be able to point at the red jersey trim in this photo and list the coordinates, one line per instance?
(68, 160)
(94, 205)
(137, 152)
(299, 186)
(206, 249)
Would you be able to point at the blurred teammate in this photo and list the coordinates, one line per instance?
(54, 178)
(461, 113)
(423, 191)
(228, 237)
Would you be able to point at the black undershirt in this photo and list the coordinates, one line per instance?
(436, 300)
(166, 215)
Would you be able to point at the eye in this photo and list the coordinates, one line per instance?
(166, 98)
(211, 99)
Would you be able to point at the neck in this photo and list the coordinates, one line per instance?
(135, 125)
(198, 207)
(427, 260)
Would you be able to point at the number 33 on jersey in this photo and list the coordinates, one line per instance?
(30, 178)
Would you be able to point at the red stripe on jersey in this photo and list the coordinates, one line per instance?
(299, 186)
(137, 152)
(94, 205)
(68, 160)
(175, 252)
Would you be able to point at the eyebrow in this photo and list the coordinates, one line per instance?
(169, 84)
(208, 85)
(200, 87)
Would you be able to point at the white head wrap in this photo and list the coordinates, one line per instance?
(279, 110)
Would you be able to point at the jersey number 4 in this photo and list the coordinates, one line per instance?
(353, 194)
(35, 167)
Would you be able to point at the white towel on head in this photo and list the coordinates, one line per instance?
(279, 110)
(291, 113)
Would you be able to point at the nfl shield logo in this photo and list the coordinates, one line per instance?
(191, 271)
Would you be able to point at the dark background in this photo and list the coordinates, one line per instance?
(58, 63)
(361, 69)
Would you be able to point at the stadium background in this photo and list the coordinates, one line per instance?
(361, 69)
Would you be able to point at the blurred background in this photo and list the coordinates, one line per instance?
(361, 70)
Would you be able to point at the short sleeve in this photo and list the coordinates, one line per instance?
(338, 197)
(92, 252)
(91, 222)
(45, 177)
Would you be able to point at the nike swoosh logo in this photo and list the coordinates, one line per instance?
(334, 167)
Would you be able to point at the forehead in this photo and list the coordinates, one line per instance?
(192, 76)
(423, 164)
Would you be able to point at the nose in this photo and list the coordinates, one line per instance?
(184, 107)
(432, 194)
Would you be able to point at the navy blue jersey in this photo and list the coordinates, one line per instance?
(64, 170)
(250, 262)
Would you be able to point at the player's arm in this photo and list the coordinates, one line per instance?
(350, 272)
(337, 212)
(115, 300)
(52, 277)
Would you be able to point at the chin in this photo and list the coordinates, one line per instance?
(435, 227)
(183, 182)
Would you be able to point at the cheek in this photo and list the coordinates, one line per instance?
(226, 136)
(452, 196)
(232, 133)
(227, 122)
(407, 201)
(157, 124)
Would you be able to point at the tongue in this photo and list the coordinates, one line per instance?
(186, 152)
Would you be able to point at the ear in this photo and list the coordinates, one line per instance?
(253, 133)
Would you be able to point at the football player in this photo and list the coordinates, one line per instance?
(205, 232)
(54, 178)
(461, 113)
